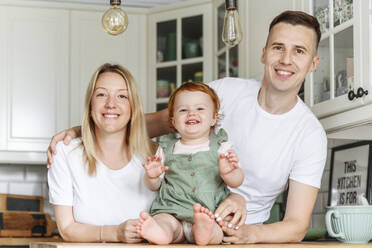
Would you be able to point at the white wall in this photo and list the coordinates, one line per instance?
(259, 28)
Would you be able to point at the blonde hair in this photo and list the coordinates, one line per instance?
(136, 136)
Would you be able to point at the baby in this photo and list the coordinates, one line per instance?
(199, 166)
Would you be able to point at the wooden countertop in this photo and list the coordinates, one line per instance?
(26, 241)
(328, 244)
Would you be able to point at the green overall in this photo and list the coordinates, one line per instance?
(191, 178)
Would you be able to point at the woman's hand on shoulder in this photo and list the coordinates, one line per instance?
(231, 212)
(66, 136)
(127, 232)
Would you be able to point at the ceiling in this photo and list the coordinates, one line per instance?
(132, 3)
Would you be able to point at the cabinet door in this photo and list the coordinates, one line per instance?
(366, 45)
(91, 47)
(34, 76)
(180, 49)
(3, 86)
(340, 51)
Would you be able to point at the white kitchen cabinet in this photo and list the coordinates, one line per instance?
(356, 123)
(48, 53)
(180, 48)
(91, 47)
(345, 56)
(33, 75)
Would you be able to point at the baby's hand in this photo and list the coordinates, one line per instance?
(153, 167)
(228, 162)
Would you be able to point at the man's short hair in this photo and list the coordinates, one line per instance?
(298, 18)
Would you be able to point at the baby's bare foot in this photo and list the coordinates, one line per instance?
(203, 227)
(150, 230)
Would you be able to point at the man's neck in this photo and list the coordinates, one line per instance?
(275, 102)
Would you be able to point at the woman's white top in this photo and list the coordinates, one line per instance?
(108, 198)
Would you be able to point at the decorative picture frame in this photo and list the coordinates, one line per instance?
(350, 175)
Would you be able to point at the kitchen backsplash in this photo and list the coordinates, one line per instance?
(25, 180)
(32, 180)
(318, 219)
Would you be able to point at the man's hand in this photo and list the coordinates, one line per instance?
(153, 167)
(231, 212)
(127, 232)
(300, 203)
(66, 136)
(244, 235)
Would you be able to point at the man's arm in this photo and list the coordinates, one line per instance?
(65, 135)
(300, 204)
(158, 123)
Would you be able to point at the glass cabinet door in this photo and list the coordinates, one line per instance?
(170, 61)
(166, 41)
(192, 48)
(227, 64)
(177, 54)
(166, 51)
(334, 76)
(165, 85)
(192, 37)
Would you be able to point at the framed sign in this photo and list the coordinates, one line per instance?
(350, 173)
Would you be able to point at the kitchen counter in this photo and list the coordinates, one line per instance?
(328, 244)
(26, 241)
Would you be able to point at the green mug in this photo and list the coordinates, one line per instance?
(350, 224)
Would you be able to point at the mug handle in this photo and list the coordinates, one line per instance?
(329, 224)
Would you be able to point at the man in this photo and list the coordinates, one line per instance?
(277, 138)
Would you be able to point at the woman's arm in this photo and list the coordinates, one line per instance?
(73, 231)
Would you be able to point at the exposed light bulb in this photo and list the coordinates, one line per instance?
(115, 20)
(231, 32)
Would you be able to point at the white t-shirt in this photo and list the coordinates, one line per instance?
(271, 148)
(108, 198)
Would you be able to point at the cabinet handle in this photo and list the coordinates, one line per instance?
(360, 92)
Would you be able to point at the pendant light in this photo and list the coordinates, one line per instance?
(115, 20)
(231, 32)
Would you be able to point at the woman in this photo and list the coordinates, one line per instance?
(95, 183)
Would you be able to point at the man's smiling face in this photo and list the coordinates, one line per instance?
(289, 55)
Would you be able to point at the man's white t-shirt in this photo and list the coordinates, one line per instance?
(271, 148)
(108, 198)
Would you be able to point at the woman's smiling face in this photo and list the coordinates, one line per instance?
(110, 106)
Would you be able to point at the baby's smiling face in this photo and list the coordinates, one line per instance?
(193, 116)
